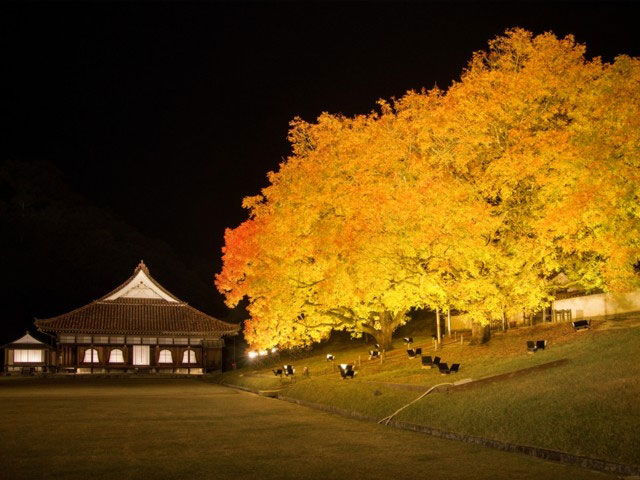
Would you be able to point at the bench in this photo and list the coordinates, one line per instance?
(277, 372)
(347, 371)
(347, 374)
(374, 354)
(427, 362)
(533, 347)
(444, 369)
(581, 325)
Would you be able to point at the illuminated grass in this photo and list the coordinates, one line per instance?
(586, 407)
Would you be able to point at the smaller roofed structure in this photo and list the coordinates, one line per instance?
(138, 325)
(27, 355)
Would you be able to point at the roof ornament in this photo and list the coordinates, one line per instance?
(141, 266)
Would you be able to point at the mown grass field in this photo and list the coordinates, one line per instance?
(156, 428)
(588, 406)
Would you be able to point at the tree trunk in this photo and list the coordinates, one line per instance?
(480, 334)
(388, 324)
(384, 338)
(438, 333)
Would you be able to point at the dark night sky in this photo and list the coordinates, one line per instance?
(168, 114)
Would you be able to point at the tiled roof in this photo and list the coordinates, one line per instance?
(137, 316)
(27, 341)
(130, 314)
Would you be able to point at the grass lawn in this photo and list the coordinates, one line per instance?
(587, 407)
(181, 429)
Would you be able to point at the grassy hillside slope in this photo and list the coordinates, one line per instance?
(588, 406)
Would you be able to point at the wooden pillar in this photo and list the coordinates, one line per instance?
(156, 356)
(176, 355)
(203, 357)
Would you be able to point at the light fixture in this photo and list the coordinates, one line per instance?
(263, 353)
(253, 354)
(274, 350)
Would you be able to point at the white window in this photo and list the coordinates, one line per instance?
(141, 355)
(189, 356)
(195, 341)
(116, 356)
(100, 339)
(165, 341)
(83, 339)
(165, 356)
(91, 356)
(67, 338)
(117, 340)
(27, 356)
(149, 340)
(133, 340)
(180, 341)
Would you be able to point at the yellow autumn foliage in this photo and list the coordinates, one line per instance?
(471, 198)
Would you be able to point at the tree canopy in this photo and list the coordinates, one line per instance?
(470, 198)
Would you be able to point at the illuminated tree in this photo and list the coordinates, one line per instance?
(551, 142)
(469, 199)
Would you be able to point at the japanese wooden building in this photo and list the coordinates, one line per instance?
(28, 355)
(138, 327)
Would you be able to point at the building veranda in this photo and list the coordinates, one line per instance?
(137, 327)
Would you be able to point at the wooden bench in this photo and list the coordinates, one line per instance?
(581, 325)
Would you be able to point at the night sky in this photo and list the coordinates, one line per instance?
(161, 117)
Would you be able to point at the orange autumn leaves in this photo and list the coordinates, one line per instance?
(470, 198)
